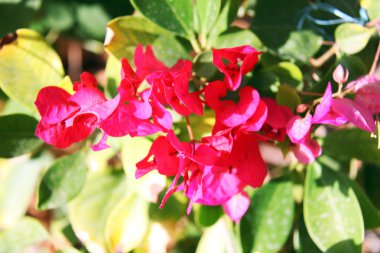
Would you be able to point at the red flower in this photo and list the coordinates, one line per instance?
(239, 61)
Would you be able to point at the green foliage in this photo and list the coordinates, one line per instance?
(331, 210)
(39, 64)
(352, 38)
(352, 143)
(17, 135)
(62, 181)
(24, 233)
(268, 222)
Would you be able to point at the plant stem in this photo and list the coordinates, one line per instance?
(189, 129)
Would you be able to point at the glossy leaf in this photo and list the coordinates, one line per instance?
(301, 45)
(288, 96)
(175, 16)
(26, 232)
(208, 12)
(268, 221)
(218, 238)
(372, 7)
(127, 224)
(272, 24)
(331, 211)
(18, 180)
(89, 211)
(208, 215)
(17, 135)
(288, 73)
(228, 13)
(352, 38)
(125, 33)
(352, 143)
(26, 65)
(62, 181)
(236, 37)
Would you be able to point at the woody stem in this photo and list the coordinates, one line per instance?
(189, 129)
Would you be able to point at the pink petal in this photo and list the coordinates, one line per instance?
(297, 128)
(307, 152)
(339, 75)
(237, 206)
(324, 106)
(355, 113)
(102, 144)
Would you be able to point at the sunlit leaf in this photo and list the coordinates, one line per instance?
(17, 135)
(218, 238)
(89, 211)
(18, 180)
(62, 181)
(267, 224)
(372, 7)
(26, 65)
(175, 16)
(301, 45)
(288, 73)
(352, 38)
(331, 211)
(236, 37)
(24, 233)
(127, 224)
(208, 11)
(208, 215)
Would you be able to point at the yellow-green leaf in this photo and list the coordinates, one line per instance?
(352, 38)
(26, 65)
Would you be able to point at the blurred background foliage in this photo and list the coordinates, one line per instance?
(76, 200)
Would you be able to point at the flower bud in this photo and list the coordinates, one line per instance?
(339, 75)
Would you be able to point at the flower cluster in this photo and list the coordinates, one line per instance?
(215, 169)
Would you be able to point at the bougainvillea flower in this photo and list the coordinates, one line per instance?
(237, 206)
(277, 118)
(337, 111)
(70, 118)
(297, 128)
(240, 60)
(228, 112)
(367, 89)
(307, 150)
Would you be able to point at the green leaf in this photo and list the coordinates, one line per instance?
(288, 73)
(268, 221)
(372, 7)
(266, 83)
(306, 244)
(113, 69)
(27, 65)
(26, 232)
(208, 215)
(272, 24)
(127, 224)
(125, 33)
(236, 37)
(331, 211)
(59, 16)
(208, 11)
(17, 135)
(89, 211)
(18, 180)
(62, 181)
(17, 14)
(301, 45)
(371, 214)
(227, 15)
(218, 238)
(203, 66)
(352, 143)
(352, 38)
(175, 16)
(94, 28)
(288, 96)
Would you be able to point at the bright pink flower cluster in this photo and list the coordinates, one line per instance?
(216, 169)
